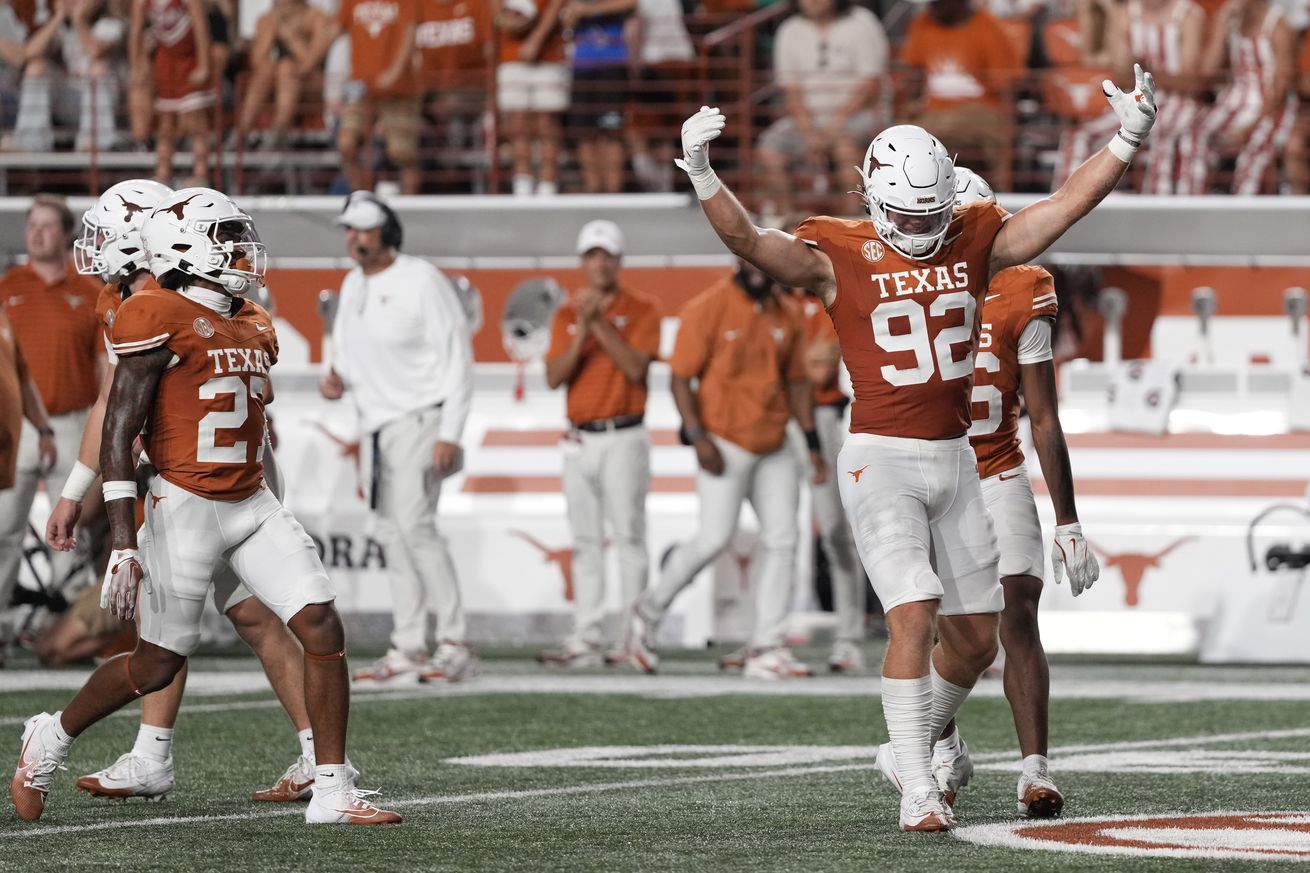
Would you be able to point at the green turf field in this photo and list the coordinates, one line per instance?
(1223, 739)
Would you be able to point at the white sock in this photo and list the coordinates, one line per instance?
(949, 743)
(155, 743)
(329, 777)
(947, 698)
(907, 705)
(1034, 764)
(57, 733)
(307, 743)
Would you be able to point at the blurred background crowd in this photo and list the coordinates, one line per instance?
(537, 97)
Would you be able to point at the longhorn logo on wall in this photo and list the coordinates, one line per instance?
(562, 558)
(1133, 567)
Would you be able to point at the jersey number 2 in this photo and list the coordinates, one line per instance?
(207, 449)
(931, 354)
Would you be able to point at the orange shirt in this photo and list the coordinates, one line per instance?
(819, 330)
(908, 328)
(1016, 297)
(451, 40)
(57, 328)
(744, 354)
(206, 429)
(599, 390)
(13, 373)
(552, 48)
(963, 64)
(377, 28)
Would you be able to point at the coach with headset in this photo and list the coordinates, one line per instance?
(401, 349)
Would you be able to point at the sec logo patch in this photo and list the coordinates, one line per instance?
(203, 327)
(873, 250)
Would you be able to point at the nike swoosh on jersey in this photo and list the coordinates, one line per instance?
(260, 327)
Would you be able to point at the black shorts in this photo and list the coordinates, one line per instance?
(599, 102)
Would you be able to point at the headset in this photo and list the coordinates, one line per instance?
(393, 234)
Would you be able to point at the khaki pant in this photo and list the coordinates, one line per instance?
(398, 460)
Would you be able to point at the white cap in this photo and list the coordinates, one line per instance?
(600, 234)
(362, 213)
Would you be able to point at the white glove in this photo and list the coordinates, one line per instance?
(122, 575)
(1136, 111)
(697, 132)
(1070, 554)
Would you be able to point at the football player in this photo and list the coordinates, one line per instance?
(1014, 356)
(904, 291)
(193, 369)
(111, 247)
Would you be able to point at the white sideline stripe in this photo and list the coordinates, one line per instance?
(442, 799)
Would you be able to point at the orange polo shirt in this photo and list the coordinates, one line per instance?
(59, 334)
(744, 354)
(553, 50)
(599, 390)
(819, 330)
(968, 63)
(13, 373)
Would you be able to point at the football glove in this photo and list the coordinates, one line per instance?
(1136, 111)
(122, 575)
(697, 132)
(1071, 555)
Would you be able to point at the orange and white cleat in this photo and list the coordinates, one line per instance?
(923, 809)
(452, 662)
(1038, 796)
(343, 803)
(40, 757)
(131, 775)
(775, 663)
(296, 784)
(394, 668)
(734, 660)
(641, 652)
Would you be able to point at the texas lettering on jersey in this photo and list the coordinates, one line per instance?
(205, 432)
(908, 328)
(1014, 299)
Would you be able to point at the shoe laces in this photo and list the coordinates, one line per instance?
(40, 774)
(924, 800)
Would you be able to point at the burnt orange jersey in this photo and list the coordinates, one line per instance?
(1015, 297)
(111, 297)
(13, 375)
(206, 430)
(908, 328)
(819, 330)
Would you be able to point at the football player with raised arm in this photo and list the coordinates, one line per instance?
(1014, 356)
(193, 369)
(905, 292)
(111, 247)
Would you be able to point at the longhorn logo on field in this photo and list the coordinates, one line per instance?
(563, 558)
(1133, 567)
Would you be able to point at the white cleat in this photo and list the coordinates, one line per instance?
(922, 809)
(393, 668)
(1038, 796)
(952, 768)
(887, 766)
(453, 662)
(132, 775)
(735, 660)
(574, 654)
(641, 644)
(38, 760)
(776, 663)
(346, 804)
(846, 657)
(297, 783)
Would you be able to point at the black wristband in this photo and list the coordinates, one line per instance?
(689, 435)
(812, 440)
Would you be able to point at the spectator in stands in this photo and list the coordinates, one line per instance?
(383, 90)
(532, 89)
(663, 79)
(70, 77)
(597, 115)
(830, 60)
(13, 39)
(1296, 164)
(456, 45)
(1165, 37)
(282, 65)
(52, 311)
(1253, 114)
(171, 40)
(967, 65)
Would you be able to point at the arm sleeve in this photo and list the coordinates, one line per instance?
(559, 333)
(1035, 342)
(339, 342)
(452, 323)
(691, 349)
(810, 232)
(645, 336)
(137, 328)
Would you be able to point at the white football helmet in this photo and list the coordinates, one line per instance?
(970, 188)
(110, 245)
(909, 185)
(202, 233)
